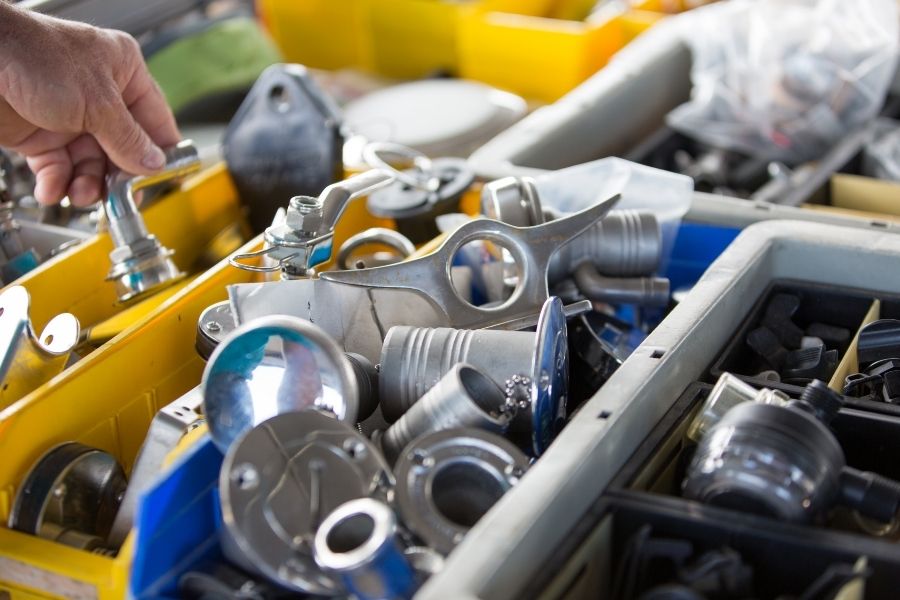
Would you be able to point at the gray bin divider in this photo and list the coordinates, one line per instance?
(499, 555)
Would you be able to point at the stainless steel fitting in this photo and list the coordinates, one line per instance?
(278, 483)
(15, 259)
(646, 291)
(28, 360)
(625, 243)
(448, 480)
(728, 392)
(306, 236)
(359, 543)
(414, 359)
(140, 263)
(464, 397)
(275, 365)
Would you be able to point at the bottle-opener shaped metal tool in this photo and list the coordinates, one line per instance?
(29, 360)
(430, 188)
(281, 480)
(306, 236)
(140, 264)
(358, 307)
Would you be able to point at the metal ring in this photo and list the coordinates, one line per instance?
(429, 183)
(375, 235)
(233, 260)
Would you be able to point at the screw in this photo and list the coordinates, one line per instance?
(212, 327)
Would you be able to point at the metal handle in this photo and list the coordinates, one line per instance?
(427, 182)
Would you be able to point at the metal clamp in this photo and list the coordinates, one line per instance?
(280, 481)
(531, 247)
(140, 263)
(423, 179)
(375, 235)
(29, 360)
(448, 480)
(305, 238)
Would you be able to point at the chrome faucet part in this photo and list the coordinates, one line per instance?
(271, 366)
(305, 238)
(530, 247)
(448, 480)
(167, 428)
(375, 235)
(414, 359)
(464, 397)
(70, 495)
(29, 360)
(646, 291)
(360, 544)
(140, 264)
(280, 481)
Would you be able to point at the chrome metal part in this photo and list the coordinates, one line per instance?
(464, 397)
(305, 238)
(271, 366)
(447, 480)
(421, 178)
(140, 263)
(366, 375)
(530, 247)
(16, 258)
(414, 359)
(28, 360)
(359, 543)
(167, 428)
(376, 235)
(646, 291)
(71, 495)
(728, 392)
(278, 483)
(214, 325)
(513, 200)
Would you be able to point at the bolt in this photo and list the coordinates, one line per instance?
(212, 327)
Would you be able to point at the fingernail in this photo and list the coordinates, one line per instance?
(154, 159)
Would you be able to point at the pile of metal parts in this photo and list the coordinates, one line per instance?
(368, 417)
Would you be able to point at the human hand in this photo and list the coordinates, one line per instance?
(74, 97)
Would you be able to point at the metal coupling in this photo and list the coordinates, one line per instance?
(271, 366)
(360, 545)
(646, 291)
(278, 484)
(397, 242)
(28, 360)
(728, 392)
(625, 243)
(305, 238)
(414, 359)
(140, 263)
(464, 397)
(448, 480)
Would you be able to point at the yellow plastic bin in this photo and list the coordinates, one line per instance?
(323, 34)
(107, 401)
(539, 57)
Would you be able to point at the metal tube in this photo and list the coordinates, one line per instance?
(414, 359)
(464, 397)
(647, 291)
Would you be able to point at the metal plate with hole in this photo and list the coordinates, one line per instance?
(280, 481)
(550, 376)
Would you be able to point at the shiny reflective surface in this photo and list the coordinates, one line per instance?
(271, 366)
(550, 376)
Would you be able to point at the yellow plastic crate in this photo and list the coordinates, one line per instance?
(107, 401)
(538, 57)
(324, 34)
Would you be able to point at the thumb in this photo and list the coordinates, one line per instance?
(125, 142)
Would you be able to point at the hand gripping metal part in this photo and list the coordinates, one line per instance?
(360, 544)
(140, 263)
(279, 482)
(306, 236)
(271, 366)
(531, 247)
(448, 480)
(28, 360)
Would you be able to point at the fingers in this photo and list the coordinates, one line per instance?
(148, 105)
(88, 171)
(53, 171)
(121, 137)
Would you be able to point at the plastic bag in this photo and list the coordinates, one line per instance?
(881, 155)
(785, 79)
